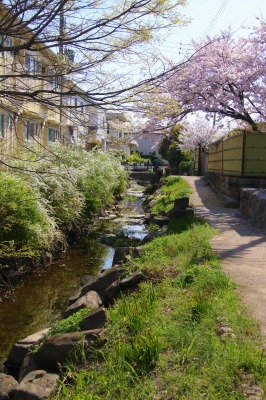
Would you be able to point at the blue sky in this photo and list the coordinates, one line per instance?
(210, 17)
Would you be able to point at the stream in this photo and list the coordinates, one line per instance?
(41, 298)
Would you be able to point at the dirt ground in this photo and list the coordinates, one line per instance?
(241, 246)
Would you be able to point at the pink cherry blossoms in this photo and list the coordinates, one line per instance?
(198, 134)
(225, 75)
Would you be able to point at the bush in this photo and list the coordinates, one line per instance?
(186, 167)
(136, 158)
(24, 217)
(43, 194)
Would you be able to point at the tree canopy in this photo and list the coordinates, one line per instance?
(199, 133)
(225, 76)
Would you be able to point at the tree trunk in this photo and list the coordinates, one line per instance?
(199, 161)
(252, 123)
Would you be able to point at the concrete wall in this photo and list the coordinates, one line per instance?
(231, 185)
(253, 206)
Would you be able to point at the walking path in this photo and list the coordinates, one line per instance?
(242, 247)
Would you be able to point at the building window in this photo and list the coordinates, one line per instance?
(31, 130)
(32, 64)
(7, 42)
(5, 124)
(53, 78)
(53, 136)
(1, 44)
(9, 121)
(79, 104)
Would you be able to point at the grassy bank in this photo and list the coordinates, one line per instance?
(183, 335)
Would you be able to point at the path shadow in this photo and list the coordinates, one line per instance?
(241, 252)
(220, 217)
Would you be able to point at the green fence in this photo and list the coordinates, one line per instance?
(240, 155)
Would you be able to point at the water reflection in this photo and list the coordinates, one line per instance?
(107, 260)
(41, 298)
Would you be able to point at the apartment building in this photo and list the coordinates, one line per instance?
(97, 129)
(25, 118)
(40, 106)
(76, 117)
(55, 115)
(118, 136)
(109, 130)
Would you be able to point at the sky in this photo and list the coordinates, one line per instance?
(209, 18)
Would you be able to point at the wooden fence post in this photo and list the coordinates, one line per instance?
(243, 154)
(222, 157)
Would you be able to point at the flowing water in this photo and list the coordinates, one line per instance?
(41, 298)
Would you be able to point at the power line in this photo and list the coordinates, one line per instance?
(215, 19)
(184, 48)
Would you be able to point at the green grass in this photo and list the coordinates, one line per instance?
(70, 324)
(131, 198)
(164, 341)
(174, 188)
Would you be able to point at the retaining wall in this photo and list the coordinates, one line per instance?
(253, 206)
(231, 185)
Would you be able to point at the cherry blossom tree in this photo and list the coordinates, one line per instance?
(199, 133)
(224, 75)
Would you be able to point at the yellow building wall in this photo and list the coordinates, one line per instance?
(26, 110)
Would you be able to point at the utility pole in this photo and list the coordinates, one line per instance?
(61, 56)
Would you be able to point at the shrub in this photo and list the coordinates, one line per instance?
(186, 167)
(24, 217)
(43, 193)
(136, 158)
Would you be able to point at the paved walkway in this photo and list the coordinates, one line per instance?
(242, 247)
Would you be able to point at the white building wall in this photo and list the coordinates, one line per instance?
(148, 143)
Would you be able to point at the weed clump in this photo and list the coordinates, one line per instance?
(70, 324)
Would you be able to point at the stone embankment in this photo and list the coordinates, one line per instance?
(253, 206)
(36, 361)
